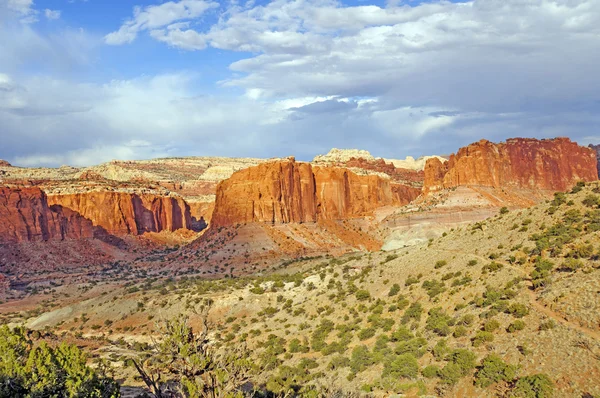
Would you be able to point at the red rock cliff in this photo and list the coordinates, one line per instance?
(26, 216)
(597, 149)
(287, 191)
(121, 213)
(555, 164)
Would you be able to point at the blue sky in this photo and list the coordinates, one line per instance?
(83, 82)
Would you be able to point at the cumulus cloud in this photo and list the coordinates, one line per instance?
(159, 16)
(52, 14)
(398, 80)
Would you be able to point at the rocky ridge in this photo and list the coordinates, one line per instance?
(289, 191)
(551, 164)
(27, 216)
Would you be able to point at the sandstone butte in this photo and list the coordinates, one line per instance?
(121, 213)
(26, 216)
(552, 164)
(289, 191)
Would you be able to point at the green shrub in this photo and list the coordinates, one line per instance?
(402, 334)
(492, 370)
(459, 331)
(394, 290)
(516, 326)
(534, 386)
(412, 313)
(366, 333)
(517, 310)
(438, 322)
(450, 373)
(440, 264)
(433, 287)
(482, 337)
(362, 295)
(547, 325)
(338, 362)
(295, 346)
(430, 371)
(571, 265)
(28, 370)
(440, 349)
(491, 325)
(416, 347)
(361, 359)
(403, 366)
(492, 267)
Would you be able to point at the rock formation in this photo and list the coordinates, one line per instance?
(555, 164)
(336, 155)
(26, 216)
(288, 191)
(597, 149)
(4, 163)
(121, 213)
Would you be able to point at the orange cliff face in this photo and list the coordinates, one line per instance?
(555, 164)
(121, 213)
(26, 216)
(287, 191)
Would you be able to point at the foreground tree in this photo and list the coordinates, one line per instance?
(29, 370)
(184, 364)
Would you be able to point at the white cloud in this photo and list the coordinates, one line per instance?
(400, 80)
(21, 6)
(52, 14)
(158, 16)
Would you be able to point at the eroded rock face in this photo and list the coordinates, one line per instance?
(555, 164)
(287, 191)
(26, 216)
(121, 213)
(597, 149)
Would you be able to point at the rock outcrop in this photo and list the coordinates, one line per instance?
(597, 149)
(290, 191)
(4, 163)
(26, 216)
(122, 213)
(555, 164)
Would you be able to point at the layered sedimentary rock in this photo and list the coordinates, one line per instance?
(120, 213)
(555, 164)
(26, 216)
(287, 191)
(597, 149)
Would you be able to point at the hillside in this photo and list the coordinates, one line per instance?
(472, 313)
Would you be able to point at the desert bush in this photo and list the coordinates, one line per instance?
(430, 371)
(482, 337)
(403, 366)
(492, 370)
(29, 369)
(534, 386)
(394, 290)
(361, 359)
(491, 325)
(517, 310)
(413, 312)
(516, 326)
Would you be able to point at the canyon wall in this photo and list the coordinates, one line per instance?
(121, 213)
(555, 164)
(287, 191)
(26, 216)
